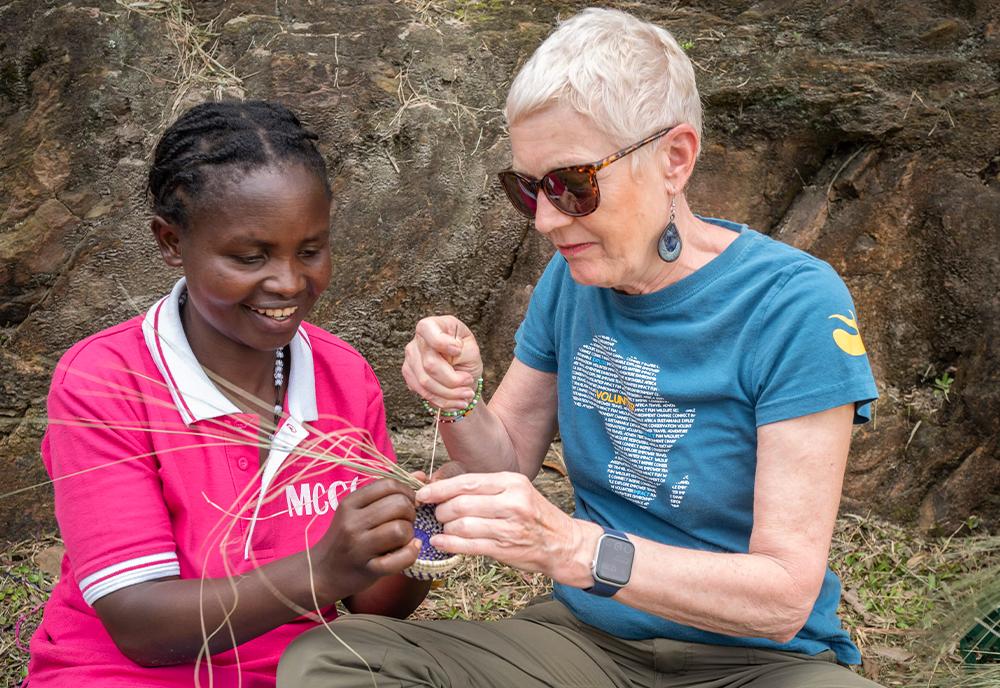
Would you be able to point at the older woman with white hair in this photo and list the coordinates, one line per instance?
(704, 380)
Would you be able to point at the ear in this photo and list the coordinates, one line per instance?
(168, 238)
(677, 153)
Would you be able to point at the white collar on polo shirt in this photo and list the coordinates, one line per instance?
(197, 398)
(195, 395)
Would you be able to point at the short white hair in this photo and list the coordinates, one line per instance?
(629, 77)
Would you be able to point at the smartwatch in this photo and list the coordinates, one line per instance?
(612, 565)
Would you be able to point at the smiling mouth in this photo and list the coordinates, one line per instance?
(278, 314)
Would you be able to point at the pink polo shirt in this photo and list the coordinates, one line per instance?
(156, 476)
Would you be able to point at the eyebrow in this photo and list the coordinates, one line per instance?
(254, 241)
(558, 166)
(562, 163)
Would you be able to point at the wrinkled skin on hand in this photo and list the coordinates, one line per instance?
(503, 516)
(442, 362)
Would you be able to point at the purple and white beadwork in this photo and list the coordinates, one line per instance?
(431, 563)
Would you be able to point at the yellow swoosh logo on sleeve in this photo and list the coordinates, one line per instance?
(849, 342)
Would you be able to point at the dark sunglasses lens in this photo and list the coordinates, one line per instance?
(522, 194)
(571, 191)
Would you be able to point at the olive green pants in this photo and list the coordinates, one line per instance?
(543, 645)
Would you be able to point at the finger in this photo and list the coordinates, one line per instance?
(481, 506)
(476, 528)
(410, 377)
(414, 373)
(376, 490)
(422, 359)
(390, 508)
(387, 537)
(454, 544)
(443, 333)
(444, 371)
(451, 339)
(437, 375)
(396, 561)
(420, 476)
(456, 390)
(466, 483)
(469, 358)
(448, 470)
(358, 525)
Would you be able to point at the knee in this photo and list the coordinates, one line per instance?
(319, 658)
(296, 661)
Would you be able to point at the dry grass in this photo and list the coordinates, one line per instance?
(412, 98)
(432, 13)
(907, 598)
(198, 73)
(482, 589)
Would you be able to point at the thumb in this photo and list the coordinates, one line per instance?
(448, 470)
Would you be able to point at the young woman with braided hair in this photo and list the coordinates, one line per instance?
(196, 532)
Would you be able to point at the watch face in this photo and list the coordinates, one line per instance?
(614, 560)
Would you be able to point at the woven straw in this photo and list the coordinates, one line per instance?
(431, 563)
(432, 570)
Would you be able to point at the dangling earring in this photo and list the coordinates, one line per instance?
(669, 246)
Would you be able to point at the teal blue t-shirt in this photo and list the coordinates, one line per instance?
(661, 395)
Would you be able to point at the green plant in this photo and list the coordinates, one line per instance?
(942, 385)
(686, 46)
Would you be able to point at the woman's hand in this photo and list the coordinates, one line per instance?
(442, 362)
(447, 470)
(371, 536)
(503, 516)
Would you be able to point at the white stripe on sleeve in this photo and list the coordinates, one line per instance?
(126, 573)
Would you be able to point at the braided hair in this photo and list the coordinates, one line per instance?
(233, 137)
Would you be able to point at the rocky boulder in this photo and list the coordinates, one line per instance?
(867, 133)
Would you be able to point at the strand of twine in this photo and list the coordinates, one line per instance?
(434, 444)
(437, 421)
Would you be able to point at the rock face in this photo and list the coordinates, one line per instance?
(867, 133)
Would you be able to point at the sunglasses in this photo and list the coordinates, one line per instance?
(572, 190)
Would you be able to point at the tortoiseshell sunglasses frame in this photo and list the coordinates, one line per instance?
(591, 170)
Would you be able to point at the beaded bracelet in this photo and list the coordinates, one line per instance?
(455, 416)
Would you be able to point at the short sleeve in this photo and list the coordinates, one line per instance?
(534, 343)
(810, 356)
(108, 495)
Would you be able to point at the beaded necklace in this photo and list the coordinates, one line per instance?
(279, 371)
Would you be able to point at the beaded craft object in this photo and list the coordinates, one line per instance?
(431, 563)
